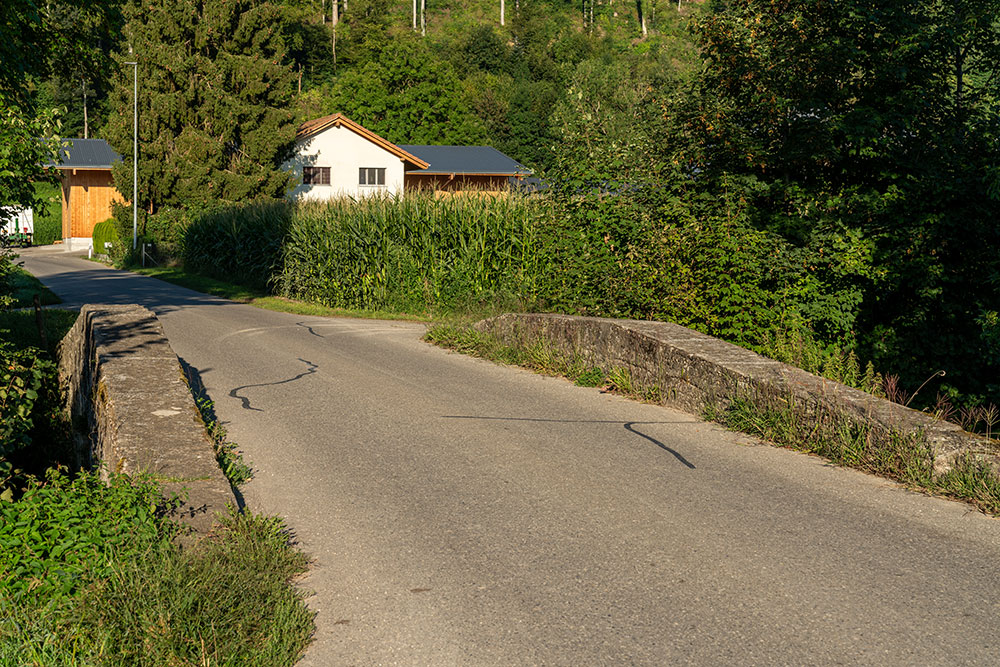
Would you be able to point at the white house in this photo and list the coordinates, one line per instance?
(336, 157)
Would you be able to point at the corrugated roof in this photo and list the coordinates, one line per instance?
(86, 154)
(484, 160)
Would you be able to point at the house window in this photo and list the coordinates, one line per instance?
(371, 176)
(315, 175)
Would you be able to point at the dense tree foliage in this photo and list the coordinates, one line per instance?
(215, 122)
(34, 41)
(869, 130)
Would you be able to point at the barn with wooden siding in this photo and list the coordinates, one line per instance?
(87, 189)
(453, 169)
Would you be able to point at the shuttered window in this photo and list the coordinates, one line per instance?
(371, 176)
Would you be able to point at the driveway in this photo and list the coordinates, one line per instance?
(463, 513)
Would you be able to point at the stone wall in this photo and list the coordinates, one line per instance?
(126, 393)
(692, 369)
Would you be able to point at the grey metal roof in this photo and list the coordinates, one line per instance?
(465, 160)
(86, 154)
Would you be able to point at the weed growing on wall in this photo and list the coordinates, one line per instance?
(906, 458)
(230, 458)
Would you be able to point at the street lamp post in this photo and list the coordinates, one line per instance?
(135, 152)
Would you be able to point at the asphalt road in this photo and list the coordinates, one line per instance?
(463, 513)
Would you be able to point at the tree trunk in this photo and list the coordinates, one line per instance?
(642, 17)
(86, 127)
(423, 18)
(322, 11)
(414, 15)
(300, 78)
(334, 19)
(959, 76)
(501, 12)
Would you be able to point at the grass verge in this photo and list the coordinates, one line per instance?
(20, 327)
(24, 288)
(781, 420)
(241, 294)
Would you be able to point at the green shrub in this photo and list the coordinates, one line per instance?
(67, 530)
(647, 255)
(48, 221)
(104, 233)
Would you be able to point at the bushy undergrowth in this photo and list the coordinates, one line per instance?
(90, 575)
(412, 253)
(66, 530)
(33, 430)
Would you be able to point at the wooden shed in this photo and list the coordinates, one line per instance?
(87, 189)
(454, 169)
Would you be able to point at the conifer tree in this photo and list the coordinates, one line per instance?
(215, 90)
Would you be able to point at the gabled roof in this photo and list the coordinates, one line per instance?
(468, 160)
(313, 127)
(86, 154)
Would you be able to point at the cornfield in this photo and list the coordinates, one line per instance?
(410, 253)
(240, 244)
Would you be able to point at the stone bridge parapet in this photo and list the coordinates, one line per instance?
(126, 392)
(691, 370)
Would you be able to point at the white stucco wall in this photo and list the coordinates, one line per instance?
(344, 152)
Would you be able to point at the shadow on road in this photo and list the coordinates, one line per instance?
(310, 369)
(629, 426)
(77, 281)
